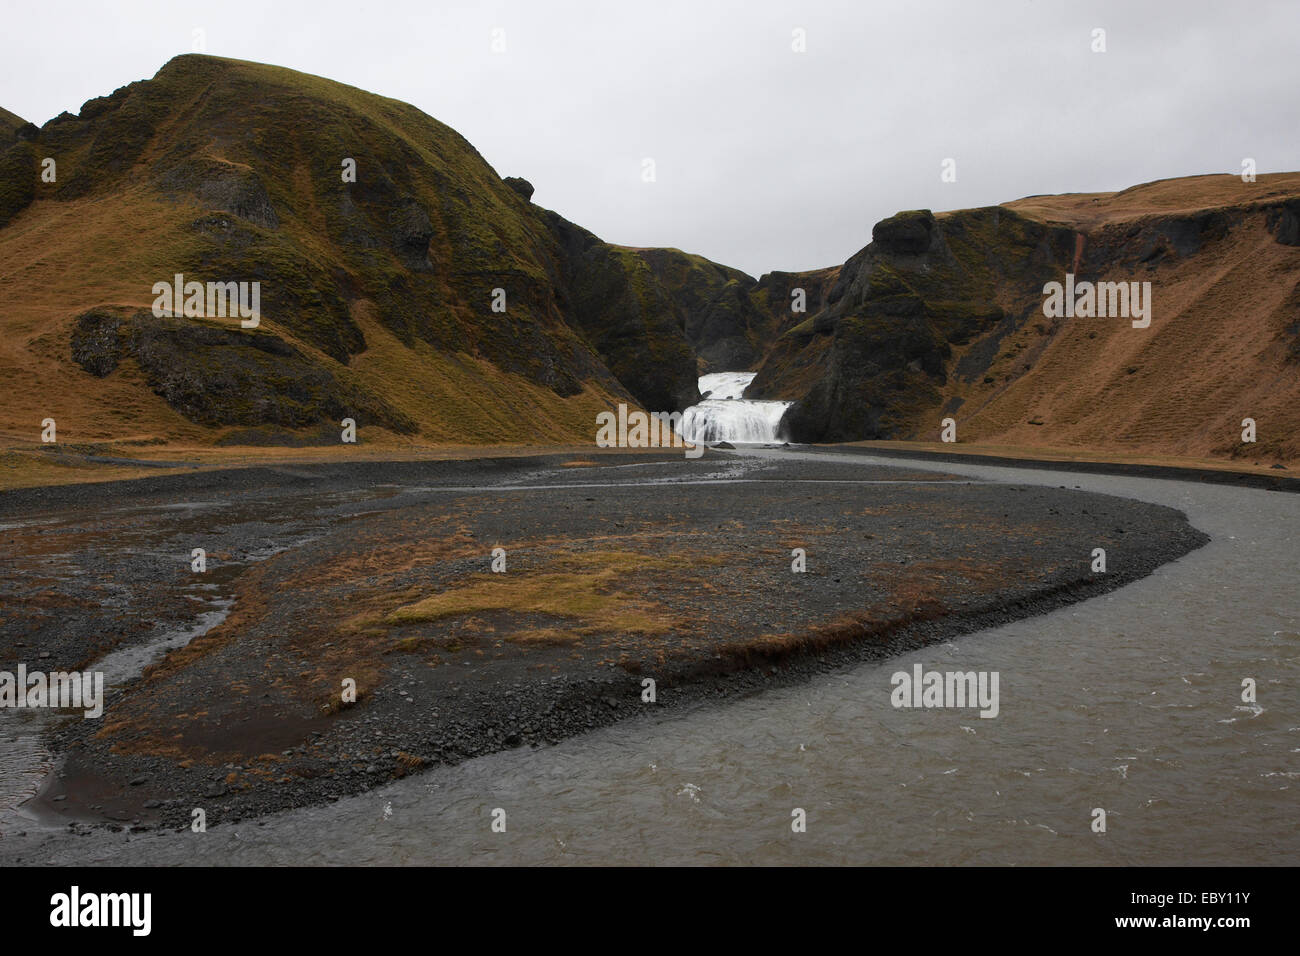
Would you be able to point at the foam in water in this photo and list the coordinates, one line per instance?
(725, 416)
(725, 385)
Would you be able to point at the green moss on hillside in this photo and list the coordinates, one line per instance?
(722, 323)
(421, 238)
(872, 363)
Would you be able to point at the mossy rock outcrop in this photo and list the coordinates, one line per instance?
(720, 319)
(221, 186)
(218, 375)
(627, 316)
(873, 361)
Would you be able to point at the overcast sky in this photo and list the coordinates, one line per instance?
(765, 158)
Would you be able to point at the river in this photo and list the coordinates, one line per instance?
(1128, 702)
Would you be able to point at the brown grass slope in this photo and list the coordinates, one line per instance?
(376, 295)
(1224, 342)
(942, 315)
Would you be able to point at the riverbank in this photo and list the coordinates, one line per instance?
(26, 465)
(1240, 474)
(617, 569)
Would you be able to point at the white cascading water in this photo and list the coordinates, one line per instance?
(725, 416)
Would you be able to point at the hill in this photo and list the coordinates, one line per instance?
(943, 315)
(378, 291)
(406, 285)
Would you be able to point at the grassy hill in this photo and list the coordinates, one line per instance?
(9, 125)
(376, 295)
(942, 315)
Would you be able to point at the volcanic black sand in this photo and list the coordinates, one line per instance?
(617, 569)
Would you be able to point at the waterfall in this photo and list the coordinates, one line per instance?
(725, 385)
(724, 416)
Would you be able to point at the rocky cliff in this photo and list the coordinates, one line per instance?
(943, 316)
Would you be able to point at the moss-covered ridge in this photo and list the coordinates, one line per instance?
(630, 318)
(942, 315)
(873, 360)
(257, 162)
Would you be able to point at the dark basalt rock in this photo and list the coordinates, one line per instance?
(875, 357)
(18, 175)
(907, 233)
(412, 233)
(96, 344)
(221, 186)
(1284, 222)
(522, 186)
(719, 317)
(219, 375)
(629, 318)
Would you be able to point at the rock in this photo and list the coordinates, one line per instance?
(412, 233)
(96, 345)
(137, 781)
(907, 233)
(1284, 223)
(232, 376)
(522, 186)
(222, 186)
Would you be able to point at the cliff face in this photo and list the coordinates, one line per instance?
(17, 163)
(943, 315)
(876, 357)
(724, 325)
(613, 298)
(403, 283)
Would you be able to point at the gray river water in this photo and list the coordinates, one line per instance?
(1129, 702)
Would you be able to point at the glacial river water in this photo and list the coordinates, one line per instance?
(1129, 702)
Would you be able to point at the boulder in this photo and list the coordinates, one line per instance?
(907, 233)
(521, 186)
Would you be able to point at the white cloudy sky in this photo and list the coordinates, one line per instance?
(765, 158)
